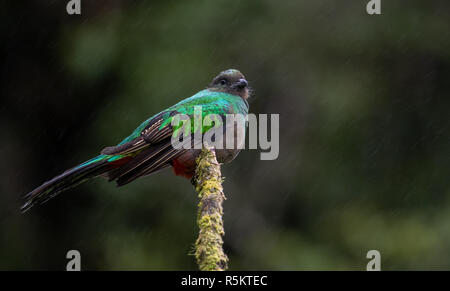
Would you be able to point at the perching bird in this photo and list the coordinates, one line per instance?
(149, 148)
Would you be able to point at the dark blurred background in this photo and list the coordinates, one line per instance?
(364, 138)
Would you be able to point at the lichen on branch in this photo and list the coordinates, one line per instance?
(208, 184)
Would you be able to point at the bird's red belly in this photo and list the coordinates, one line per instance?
(184, 165)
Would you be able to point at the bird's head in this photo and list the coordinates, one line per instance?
(230, 81)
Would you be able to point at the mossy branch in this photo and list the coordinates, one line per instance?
(208, 184)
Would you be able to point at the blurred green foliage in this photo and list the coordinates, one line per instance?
(364, 140)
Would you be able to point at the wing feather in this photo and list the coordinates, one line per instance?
(150, 144)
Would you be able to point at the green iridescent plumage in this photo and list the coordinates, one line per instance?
(148, 148)
(208, 101)
(211, 102)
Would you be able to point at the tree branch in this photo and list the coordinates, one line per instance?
(208, 184)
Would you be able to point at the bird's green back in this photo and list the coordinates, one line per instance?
(210, 102)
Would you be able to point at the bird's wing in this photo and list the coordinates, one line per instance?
(150, 144)
(159, 128)
(149, 160)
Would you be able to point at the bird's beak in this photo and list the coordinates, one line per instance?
(242, 83)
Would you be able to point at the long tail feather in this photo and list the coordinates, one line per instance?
(70, 178)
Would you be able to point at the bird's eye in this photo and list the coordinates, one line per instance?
(223, 82)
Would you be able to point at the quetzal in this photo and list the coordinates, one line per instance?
(149, 149)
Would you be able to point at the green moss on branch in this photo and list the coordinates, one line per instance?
(208, 184)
